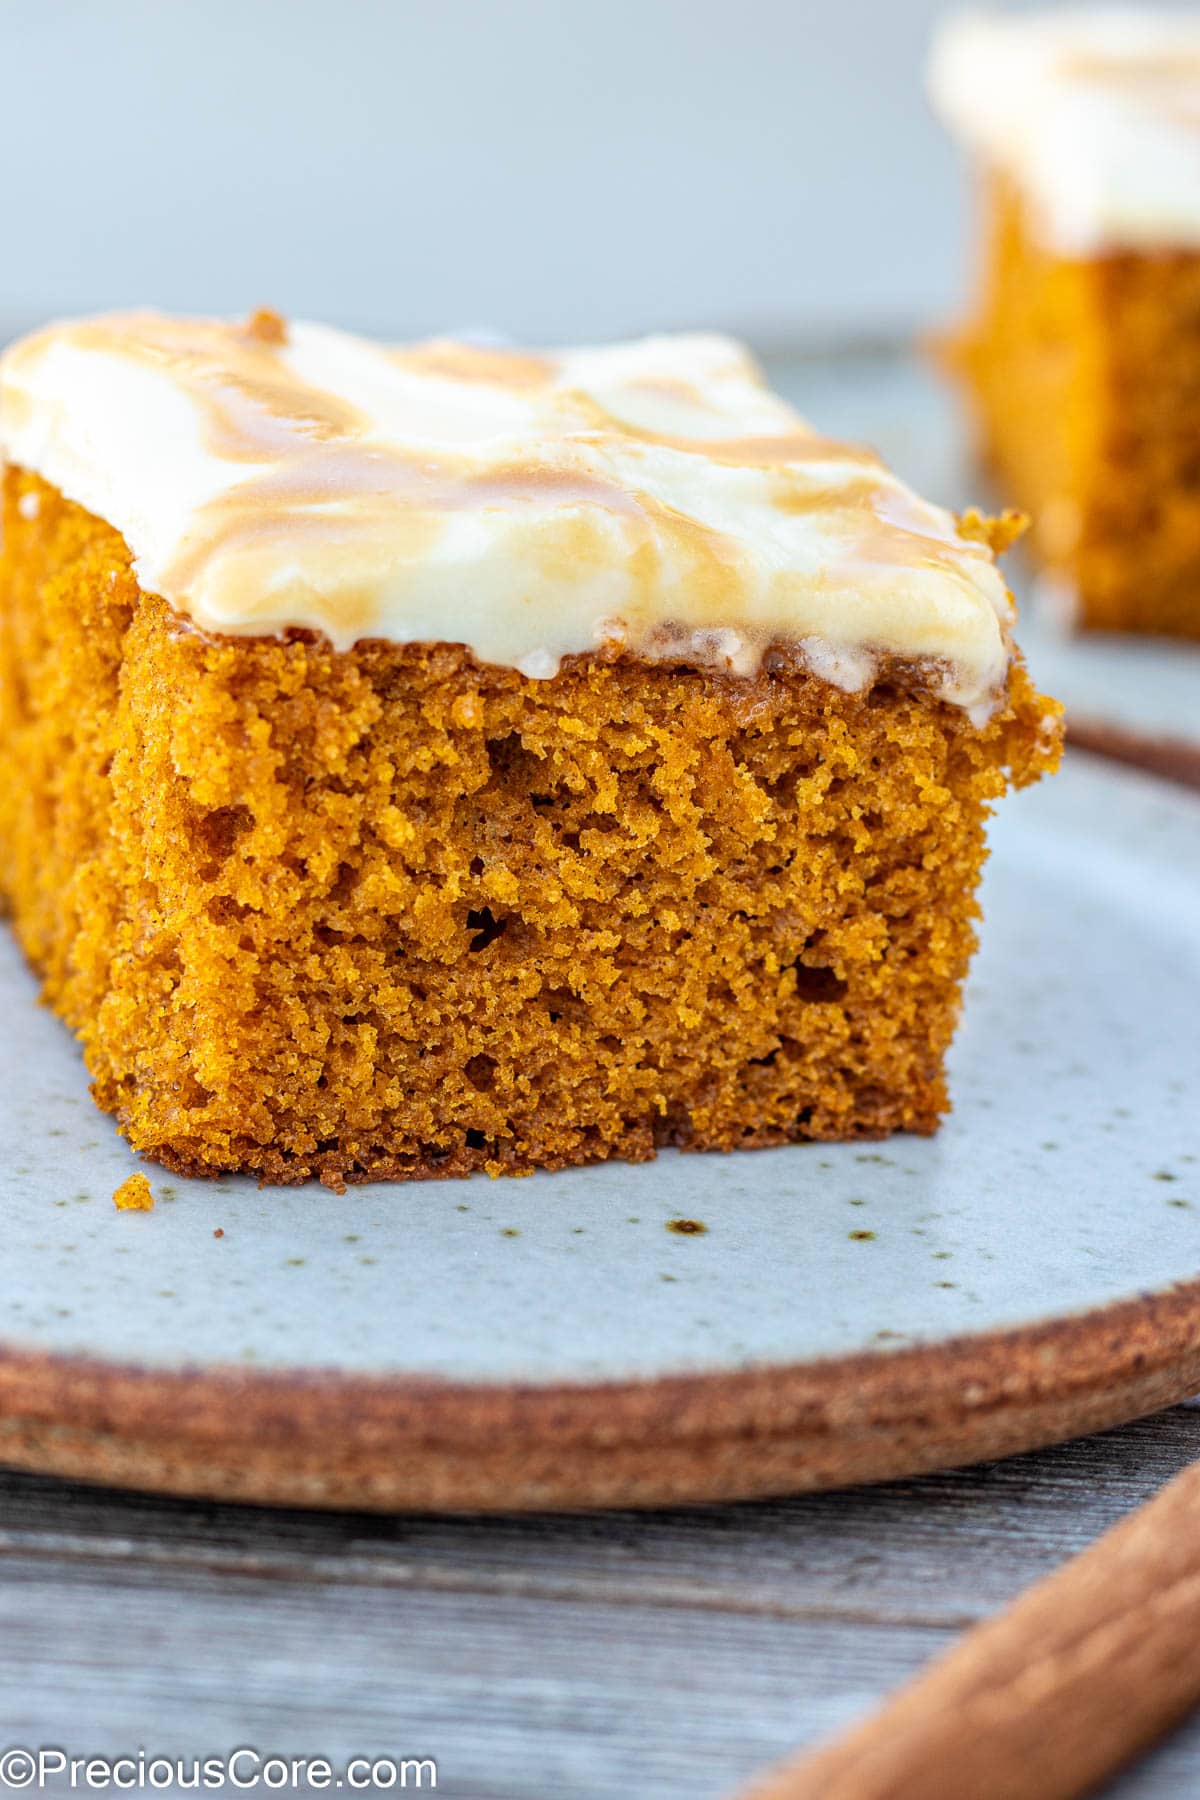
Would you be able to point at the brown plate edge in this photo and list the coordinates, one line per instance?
(323, 1439)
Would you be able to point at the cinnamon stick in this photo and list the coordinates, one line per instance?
(1050, 1696)
(1175, 758)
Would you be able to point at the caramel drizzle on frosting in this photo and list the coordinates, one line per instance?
(474, 362)
(1144, 69)
(600, 499)
(252, 407)
(1166, 84)
(328, 482)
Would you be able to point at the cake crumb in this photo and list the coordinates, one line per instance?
(134, 1195)
(998, 534)
(466, 710)
(268, 326)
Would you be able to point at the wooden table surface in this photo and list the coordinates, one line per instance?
(662, 1656)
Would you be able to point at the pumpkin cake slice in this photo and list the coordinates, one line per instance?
(418, 760)
(1080, 360)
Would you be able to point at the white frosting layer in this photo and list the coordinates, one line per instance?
(653, 495)
(1095, 114)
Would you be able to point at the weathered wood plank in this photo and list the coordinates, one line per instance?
(941, 1549)
(603, 1655)
(512, 1696)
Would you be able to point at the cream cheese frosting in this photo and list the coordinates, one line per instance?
(1095, 114)
(653, 496)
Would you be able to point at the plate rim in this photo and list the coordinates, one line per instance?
(383, 1442)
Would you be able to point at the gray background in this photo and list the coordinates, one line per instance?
(555, 169)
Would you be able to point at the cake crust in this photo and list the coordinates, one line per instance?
(391, 912)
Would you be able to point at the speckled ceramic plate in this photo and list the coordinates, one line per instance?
(838, 1313)
(1135, 697)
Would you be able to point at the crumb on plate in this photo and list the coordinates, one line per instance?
(134, 1195)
